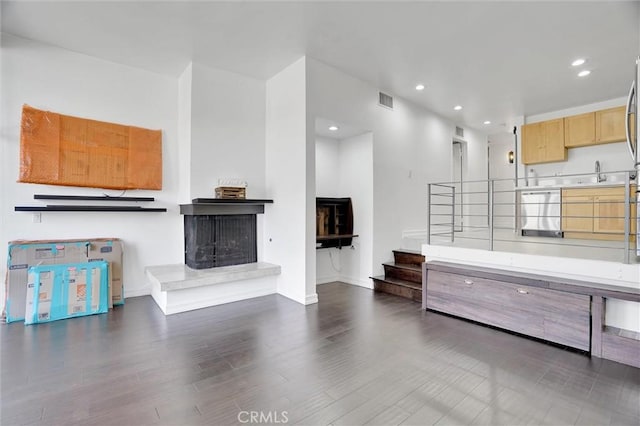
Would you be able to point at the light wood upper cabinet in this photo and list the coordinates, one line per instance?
(610, 125)
(532, 143)
(580, 130)
(543, 142)
(547, 141)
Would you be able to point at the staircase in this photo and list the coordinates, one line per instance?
(403, 277)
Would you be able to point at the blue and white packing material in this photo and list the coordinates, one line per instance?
(24, 254)
(57, 292)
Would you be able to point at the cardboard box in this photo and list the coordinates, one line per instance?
(57, 292)
(59, 149)
(109, 250)
(24, 254)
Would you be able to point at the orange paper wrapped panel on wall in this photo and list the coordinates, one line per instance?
(58, 149)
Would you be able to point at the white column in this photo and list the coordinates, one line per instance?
(290, 181)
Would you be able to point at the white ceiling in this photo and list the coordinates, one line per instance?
(498, 59)
(344, 130)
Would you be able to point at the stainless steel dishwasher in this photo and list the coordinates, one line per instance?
(540, 213)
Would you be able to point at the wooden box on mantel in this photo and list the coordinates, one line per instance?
(231, 192)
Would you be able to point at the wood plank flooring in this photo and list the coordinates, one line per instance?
(357, 357)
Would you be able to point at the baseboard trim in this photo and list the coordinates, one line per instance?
(324, 280)
(143, 291)
(349, 280)
(357, 282)
(311, 299)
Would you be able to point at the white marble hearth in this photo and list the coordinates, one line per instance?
(178, 288)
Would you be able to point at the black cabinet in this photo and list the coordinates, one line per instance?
(334, 222)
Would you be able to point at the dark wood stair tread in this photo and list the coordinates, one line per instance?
(403, 266)
(399, 282)
(412, 257)
(403, 276)
(408, 251)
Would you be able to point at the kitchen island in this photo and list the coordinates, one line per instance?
(564, 311)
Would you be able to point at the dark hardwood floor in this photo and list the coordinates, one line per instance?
(357, 357)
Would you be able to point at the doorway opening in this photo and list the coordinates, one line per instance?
(458, 152)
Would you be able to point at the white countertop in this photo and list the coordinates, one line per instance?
(559, 186)
(612, 179)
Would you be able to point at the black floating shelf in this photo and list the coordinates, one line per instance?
(90, 198)
(335, 237)
(63, 208)
(229, 201)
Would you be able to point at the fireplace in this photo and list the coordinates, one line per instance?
(219, 240)
(220, 232)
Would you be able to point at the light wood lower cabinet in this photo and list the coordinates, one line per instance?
(577, 212)
(608, 214)
(596, 213)
(551, 315)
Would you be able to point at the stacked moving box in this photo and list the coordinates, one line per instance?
(27, 262)
(64, 291)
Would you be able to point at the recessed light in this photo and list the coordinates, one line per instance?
(333, 128)
(487, 122)
(420, 87)
(457, 107)
(578, 62)
(584, 73)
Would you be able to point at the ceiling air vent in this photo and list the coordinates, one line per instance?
(459, 132)
(386, 100)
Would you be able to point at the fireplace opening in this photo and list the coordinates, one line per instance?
(219, 240)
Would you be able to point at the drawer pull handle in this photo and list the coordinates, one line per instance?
(521, 291)
(468, 282)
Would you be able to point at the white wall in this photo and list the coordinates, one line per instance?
(290, 181)
(327, 166)
(477, 154)
(475, 208)
(499, 146)
(185, 89)
(409, 145)
(356, 181)
(227, 131)
(504, 174)
(612, 156)
(54, 79)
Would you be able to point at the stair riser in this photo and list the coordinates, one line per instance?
(407, 293)
(408, 258)
(403, 274)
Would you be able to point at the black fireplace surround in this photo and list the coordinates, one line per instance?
(219, 240)
(220, 232)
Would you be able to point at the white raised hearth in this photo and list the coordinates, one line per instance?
(178, 288)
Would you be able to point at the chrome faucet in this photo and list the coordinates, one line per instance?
(599, 176)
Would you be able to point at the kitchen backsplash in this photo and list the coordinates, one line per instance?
(612, 157)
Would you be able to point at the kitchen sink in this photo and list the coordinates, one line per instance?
(548, 182)
(613, 178)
